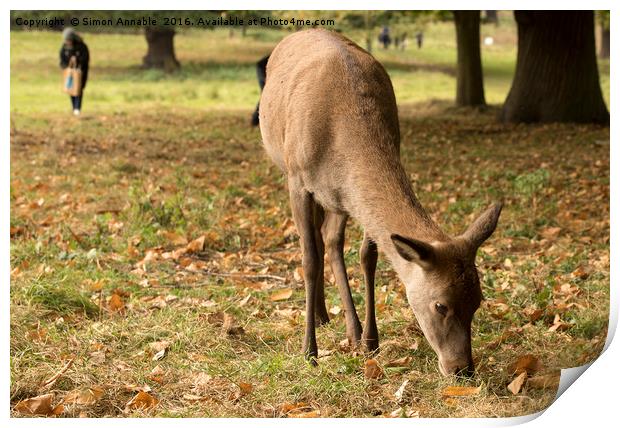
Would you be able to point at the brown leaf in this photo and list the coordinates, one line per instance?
(142, 400)
(372, 370)
(172, 237)
(160, 345)
(157, 374)
(517, 383)
(115, 303)
(546, 381)
(550, 233)
(282, 294)
(215, 318)
(229, 326)
(84, 397)
(196, 245)
(289, 409)
(460, 391)
(40, 405)
(399, 362)
(310, 414)
(526, 363)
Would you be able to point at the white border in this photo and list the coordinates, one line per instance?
(591, 401)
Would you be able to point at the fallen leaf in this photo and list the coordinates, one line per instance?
(399, 362)
(160, 345)
(401, 390)
(229, 326)
(517, 383)
(402, 413)
(526, 363)
(292, 408)
(40, 405)
(372, 370)
(335, 310)
(173, 237)
(84, 397)
(160, 355)
(281, 294)
(137, 388)
(550, 233)
(215, 318)
(580, 273)
(142, 400)
(310, 414)
(460, 391)
(157, 374)
(196, 245)
(115, 303)
(545, 381)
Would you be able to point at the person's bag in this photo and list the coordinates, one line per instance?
(72, 79)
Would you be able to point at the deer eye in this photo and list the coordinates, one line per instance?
(442, 309)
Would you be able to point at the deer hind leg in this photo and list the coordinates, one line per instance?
(368, 260)
(320, 311)
(303, 208)
(333, 231)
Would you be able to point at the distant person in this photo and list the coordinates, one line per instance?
(419, 37)
(384, 37)
(404, 42)
(74, 47)
(261, 75)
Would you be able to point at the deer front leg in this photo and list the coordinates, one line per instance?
(302, 207)
(368, 259)
(333, 231)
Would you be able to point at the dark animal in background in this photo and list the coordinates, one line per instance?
(261, 75)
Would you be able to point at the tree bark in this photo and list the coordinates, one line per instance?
(604, 52)
(160, 53)
(556, 77)
(490, 16)
(469, 86)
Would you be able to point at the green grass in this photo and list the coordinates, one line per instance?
(156, 154)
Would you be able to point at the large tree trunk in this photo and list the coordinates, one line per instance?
(469, 87)
(490, 16)
(556, 78)
(160, 53)
(604, 52)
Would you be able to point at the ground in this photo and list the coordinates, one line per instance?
(152, 246)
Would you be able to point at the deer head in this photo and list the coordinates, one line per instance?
(443, 289)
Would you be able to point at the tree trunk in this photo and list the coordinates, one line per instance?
(160, 53)
(604, 52)
(556, 77)
(490, 16)
(469, 87)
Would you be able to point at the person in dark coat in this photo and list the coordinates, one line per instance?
(74, 47)
(384, 37)
(261, 75)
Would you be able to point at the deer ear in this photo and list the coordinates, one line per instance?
(483, 226)
(413, 250)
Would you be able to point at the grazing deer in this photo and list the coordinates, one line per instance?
(329, 121)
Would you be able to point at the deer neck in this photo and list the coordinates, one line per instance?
(387, 205)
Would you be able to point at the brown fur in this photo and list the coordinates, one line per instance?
(329, 120)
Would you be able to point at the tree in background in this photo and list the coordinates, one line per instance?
(603, 20)
(160, 49)
(469, 86)
(490, 17)
(556, 77)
